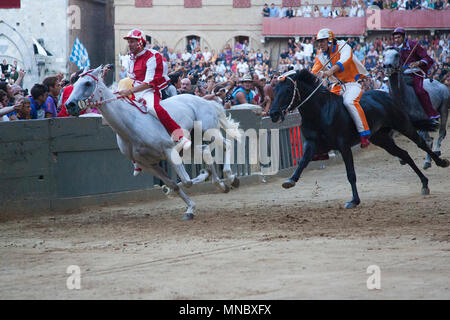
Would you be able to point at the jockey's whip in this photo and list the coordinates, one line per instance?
(410, 54)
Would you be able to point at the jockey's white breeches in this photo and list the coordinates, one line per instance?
(352, 92)
(149, 97)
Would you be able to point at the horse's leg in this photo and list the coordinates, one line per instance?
(304, 161)
(211, 168)
(225, 144)
(157, 171)
(429, 140)
(412, 134)
(177, 163)
(382, 139)
(347, 156)
(442, 126)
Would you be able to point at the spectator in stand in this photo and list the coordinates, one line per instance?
(5, 69)
(122, 73)
(393, 5)
(316, 12)
(307, 10)
(353, 10)
(439, 5)
(39, 94)
(290, 13)
(266, 11)
(359, 52)
(325, 12)
(54, 88)
(186, 86)
(379, 4)
(243, 93)
(361, 9)
(274, 11)
(207, 55)
(282, 13)
(308, 50)
(410, 4)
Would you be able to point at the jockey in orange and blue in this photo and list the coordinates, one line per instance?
(343, 71)
(147, 77)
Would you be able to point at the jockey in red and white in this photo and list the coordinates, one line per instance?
(148, 74)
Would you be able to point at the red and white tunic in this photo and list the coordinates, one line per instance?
(149, 67)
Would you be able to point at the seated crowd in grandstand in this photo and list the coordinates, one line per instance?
(350, 8)
(214, 74)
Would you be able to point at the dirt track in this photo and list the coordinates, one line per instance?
(258, 242)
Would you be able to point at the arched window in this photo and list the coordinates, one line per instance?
(241, 43)
(192, 42)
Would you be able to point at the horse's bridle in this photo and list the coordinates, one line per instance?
(296, 92)
(89, 100)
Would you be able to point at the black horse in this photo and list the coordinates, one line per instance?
(327, 125)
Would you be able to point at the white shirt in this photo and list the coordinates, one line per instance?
(186, 56)
(207, 56)
(307, 49)
(353, 11)
(299, 55)
(220, 69)
(307, 11)
(361, 12)
(242, 67)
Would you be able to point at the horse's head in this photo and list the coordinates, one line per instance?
(84, 91)
(285, 96)
(391, 59)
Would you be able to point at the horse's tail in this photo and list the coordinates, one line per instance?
(425, 125)
(230, 126)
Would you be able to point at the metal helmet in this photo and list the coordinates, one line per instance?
(138, 35)
(399, 30)
(325, 34)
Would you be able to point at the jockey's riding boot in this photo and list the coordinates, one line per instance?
(435, 122)
(364, 142)
(136, 170)
(184, 143)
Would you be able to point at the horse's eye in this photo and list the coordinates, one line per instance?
(88, 84)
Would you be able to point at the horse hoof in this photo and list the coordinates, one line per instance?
(288, 184)
(402, 162)
(425, 191)
(225, 189)
(350, 205)
(166, 190)
(188, 216)
(426, 165)
(446, 163)
(236, 182)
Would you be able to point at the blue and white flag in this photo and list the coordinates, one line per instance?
(80, 55)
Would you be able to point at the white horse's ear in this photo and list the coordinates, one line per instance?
(98, 70)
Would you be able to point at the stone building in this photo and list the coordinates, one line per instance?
(39, 35)
(214, 23)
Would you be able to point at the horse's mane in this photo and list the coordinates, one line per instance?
(309, 78)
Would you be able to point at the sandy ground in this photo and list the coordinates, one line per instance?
(257, 242)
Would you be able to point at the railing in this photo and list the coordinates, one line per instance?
(358, 26)
(67, 163)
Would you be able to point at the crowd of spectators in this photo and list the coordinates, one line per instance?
(348, 8)
(233, 75)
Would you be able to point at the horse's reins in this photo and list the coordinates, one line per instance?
(296, 91)
(102, 102)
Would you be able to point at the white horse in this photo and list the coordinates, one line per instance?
(142, 138)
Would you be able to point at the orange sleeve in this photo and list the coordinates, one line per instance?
(317, 65)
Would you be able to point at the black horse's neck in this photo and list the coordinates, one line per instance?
(312, 108)
(396, 84)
